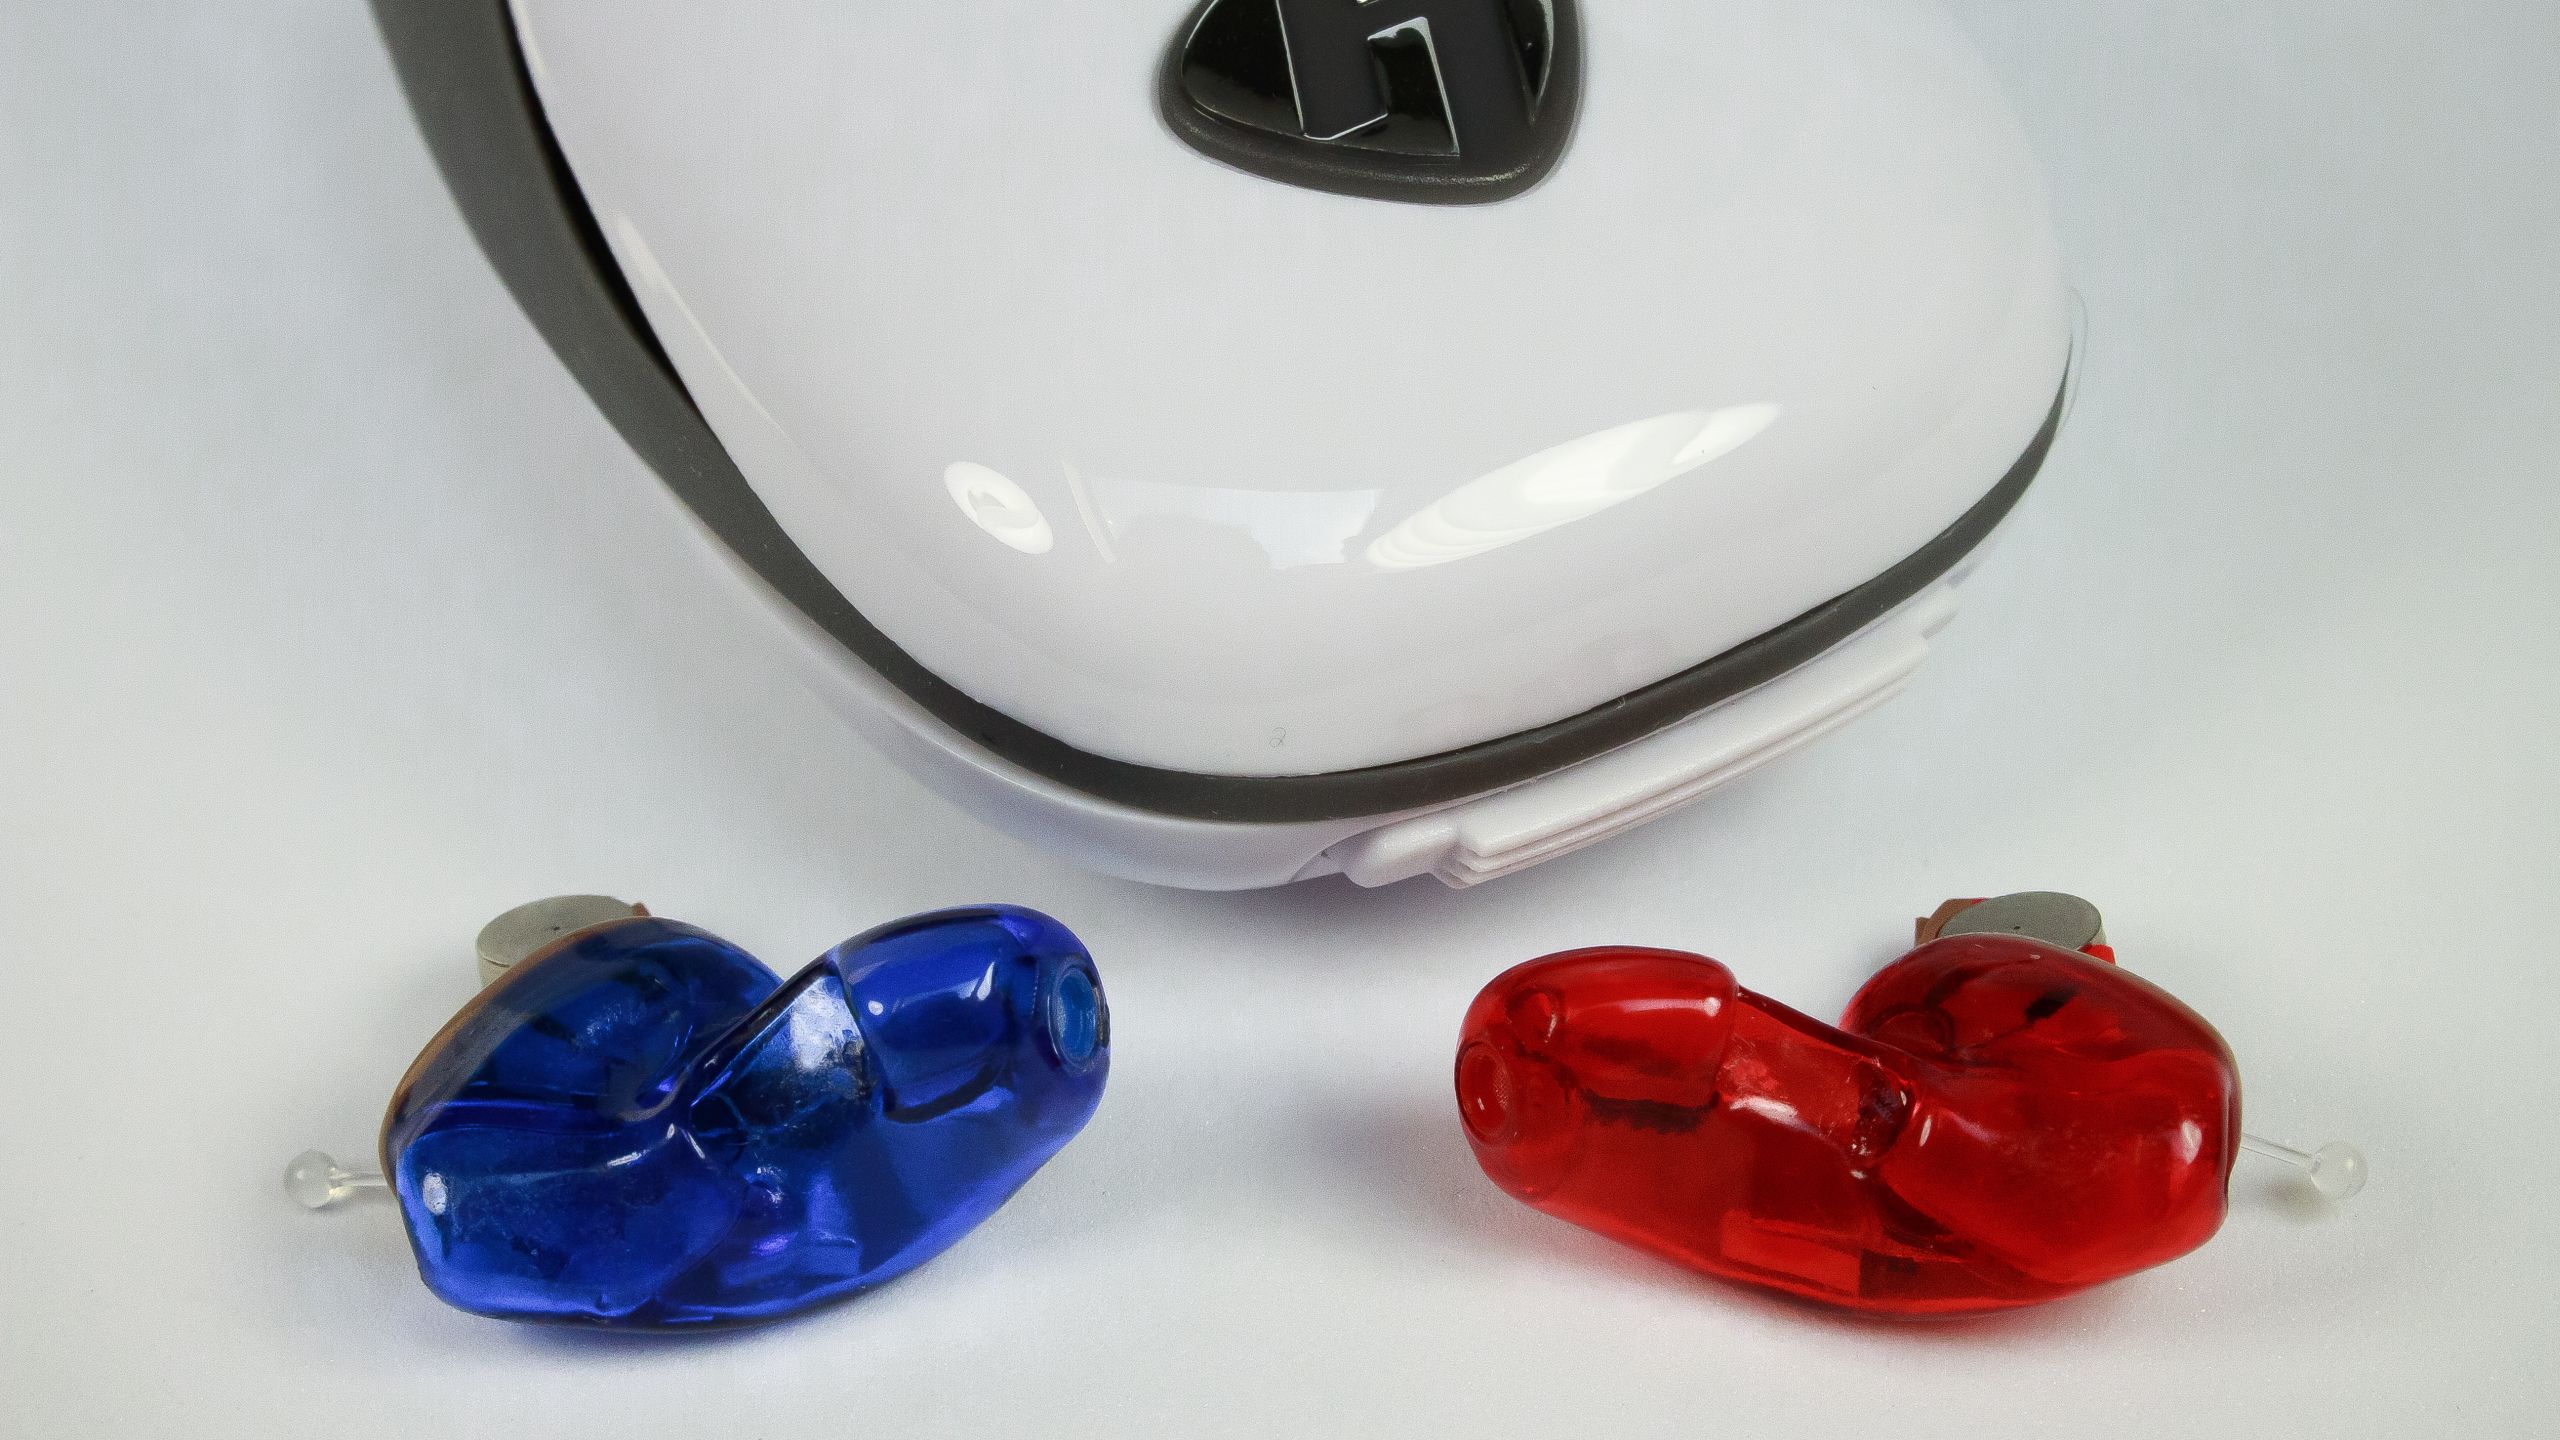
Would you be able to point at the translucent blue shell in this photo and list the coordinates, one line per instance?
(644, 1128)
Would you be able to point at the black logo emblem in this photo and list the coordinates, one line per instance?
(1445, 101)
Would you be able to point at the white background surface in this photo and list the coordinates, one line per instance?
(333, 620)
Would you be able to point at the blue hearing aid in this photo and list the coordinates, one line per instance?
(636, 1124)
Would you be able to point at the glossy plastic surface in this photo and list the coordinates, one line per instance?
(1194, 469)
(1995, 1123)
(644, 1128)
(1461, 844)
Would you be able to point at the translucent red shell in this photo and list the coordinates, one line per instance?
(1995, 1122)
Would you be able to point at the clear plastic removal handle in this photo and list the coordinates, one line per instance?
(316, 1181)
(2335, 1169)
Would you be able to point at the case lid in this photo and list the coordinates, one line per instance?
(1198, 469)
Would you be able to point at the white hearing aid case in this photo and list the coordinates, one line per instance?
(1239, 442)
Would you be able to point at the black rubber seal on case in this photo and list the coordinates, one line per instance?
(459, 62)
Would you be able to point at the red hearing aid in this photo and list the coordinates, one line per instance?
(2002, 1116)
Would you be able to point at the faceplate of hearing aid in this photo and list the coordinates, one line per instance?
(638, 1125)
